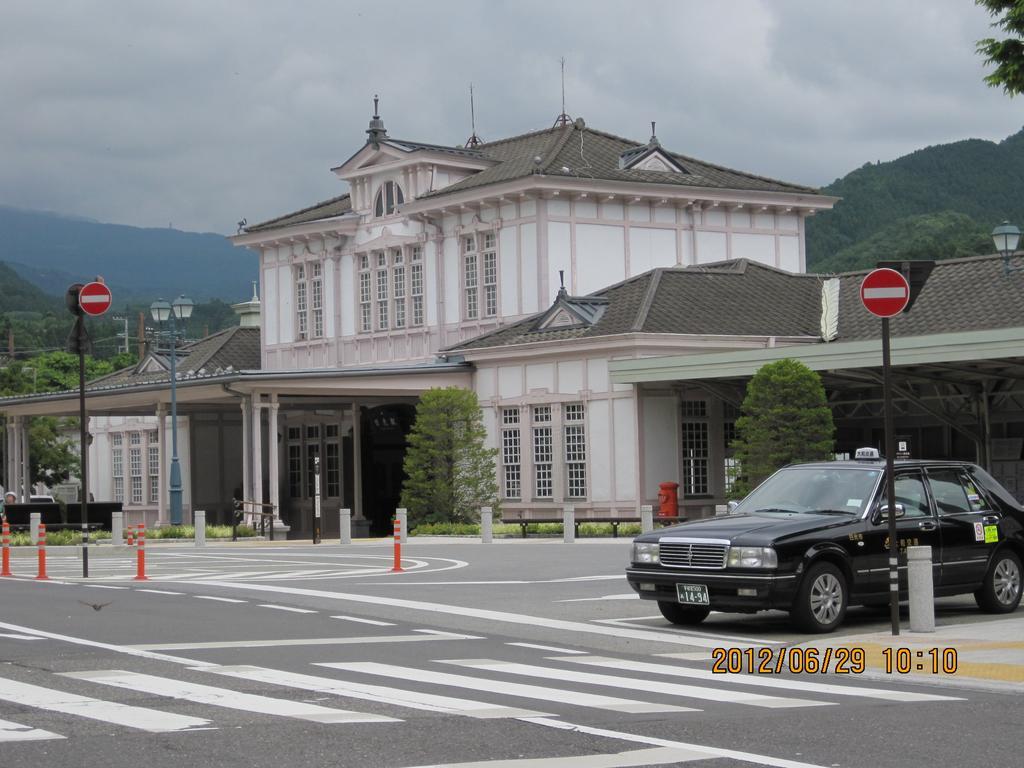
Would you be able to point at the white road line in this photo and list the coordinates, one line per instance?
(603, 598)
(543, 693)
(219, 599)
(359, 620)
(102, 586)
(545, 648)
(286, 608)
(788, 684)
(19, 637)
(14, 732)
(708, 752)
(440, 633)
(430, 702)
(636, 757)
(141, 652)
(697, 656)
(734, 642)
(372, 639)
(151, 720)
(159, 592)
(575, 627)
(631, 684)
(223, 697)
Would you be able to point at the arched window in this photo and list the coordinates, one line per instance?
(388, 196)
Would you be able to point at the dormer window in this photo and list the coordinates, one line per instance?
(389, 196)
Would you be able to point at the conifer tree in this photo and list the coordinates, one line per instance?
(785, 419)
(450, 473)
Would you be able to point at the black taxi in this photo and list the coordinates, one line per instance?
(813, 539)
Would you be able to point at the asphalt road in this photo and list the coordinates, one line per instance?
(521, 654)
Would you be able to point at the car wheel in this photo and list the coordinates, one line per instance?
(686, 615)
(1000, 592)
(821, 600)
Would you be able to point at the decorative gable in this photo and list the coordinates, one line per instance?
(649, 158)
(572, 312)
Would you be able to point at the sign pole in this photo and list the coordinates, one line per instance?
(83, 341)
(890, 482)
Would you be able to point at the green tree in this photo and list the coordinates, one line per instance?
(784, 419)
(1007, 54)
(450, 474)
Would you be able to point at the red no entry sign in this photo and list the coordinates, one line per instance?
(885, 292)
(94, 298)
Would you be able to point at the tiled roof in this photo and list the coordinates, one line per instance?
(326, 209)
(969, 294)
(575, 152)
(412, 146)
(739, 297)
(230, 350)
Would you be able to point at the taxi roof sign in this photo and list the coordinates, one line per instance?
(864, 454)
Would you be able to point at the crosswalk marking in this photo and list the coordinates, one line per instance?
(151, 720)
(222, 697)
(359, 620)
(551, 648)
(411, 699)
(596, 701)
(649, 686)
(14, 732)
(159, 592)
(14, 636)
(357, 640)
(630, 759)
(789, 684)
(219, 599)
(286, 608)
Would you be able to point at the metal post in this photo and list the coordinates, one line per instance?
(890, 482)
(175, 489)
(345, 525)
(316, 499)
(486, 525)
(922, 593)
(646, 518)
(402, 518)
(83, 427)
(568, 524)
(117, 527)
(199, 523)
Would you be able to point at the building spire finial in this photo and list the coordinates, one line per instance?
(376, 111)
(376, 131)
(563, 119)
(473, 140)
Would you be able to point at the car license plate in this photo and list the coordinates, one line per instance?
(692, 594)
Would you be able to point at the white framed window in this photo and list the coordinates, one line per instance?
(398, 279)
(134, 438)
(382, 293)
(135, 467)
(391, 289)
(731, 466)
(294, 467)
(117, 465)
(317, 290)
(480, 275)
(511, 453)
(543, 453)
(389, 196)
(416, 284)
(575, 442)
(301, 302)
(695, 447)
(365, 308)
(332, 452)
(153, 467)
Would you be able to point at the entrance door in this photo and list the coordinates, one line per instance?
(964, 513)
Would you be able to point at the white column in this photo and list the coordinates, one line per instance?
(357, 462)
(257, 449)
(486, 525)
(246, 450)
(273, 456)
(26, 463)
(161, 436)
(14, 479)
(921, 589)
(9, 474)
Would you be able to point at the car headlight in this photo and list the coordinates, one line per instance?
(645, 553)
(753, 557)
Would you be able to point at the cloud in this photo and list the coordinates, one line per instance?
(200, 113)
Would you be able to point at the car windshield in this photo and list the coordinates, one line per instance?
(836, 490)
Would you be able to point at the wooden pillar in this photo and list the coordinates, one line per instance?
(273, 456)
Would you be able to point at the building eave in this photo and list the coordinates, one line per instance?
(346, 224)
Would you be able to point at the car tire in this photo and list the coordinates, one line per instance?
(684, 615)
(820, 604)
(1001, 590)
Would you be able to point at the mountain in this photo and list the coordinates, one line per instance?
(938, 202)
(53, 251)
(21, 296)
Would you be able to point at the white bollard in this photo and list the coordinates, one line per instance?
(403, 520)
(922, 593)
(117, 528)
(646, 518)
(345, 525)
(199, 523)
(568, 524)
(486, 525)
(34, 519)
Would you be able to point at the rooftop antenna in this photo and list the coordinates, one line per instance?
(563, 119)
(474, 140)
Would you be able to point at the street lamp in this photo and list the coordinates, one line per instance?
(163, 312)
(1006, 237)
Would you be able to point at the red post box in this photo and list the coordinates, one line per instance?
(668, 499)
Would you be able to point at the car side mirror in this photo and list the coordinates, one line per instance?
(732, 506)
(882, 513)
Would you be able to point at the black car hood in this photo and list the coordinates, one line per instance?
(754, 529)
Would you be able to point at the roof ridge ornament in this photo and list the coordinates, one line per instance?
(376, 132)
(473, 141)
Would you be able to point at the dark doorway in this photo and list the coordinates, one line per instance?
(384, 430)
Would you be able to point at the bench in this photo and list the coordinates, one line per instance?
(524, 522)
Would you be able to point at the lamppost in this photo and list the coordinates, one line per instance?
(163, 312)
(1007, 237)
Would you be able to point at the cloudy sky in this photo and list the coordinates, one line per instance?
(197, 113)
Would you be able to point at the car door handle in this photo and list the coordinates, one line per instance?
(927, 525)
(990, 520)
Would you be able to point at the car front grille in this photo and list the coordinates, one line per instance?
(693, 554)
